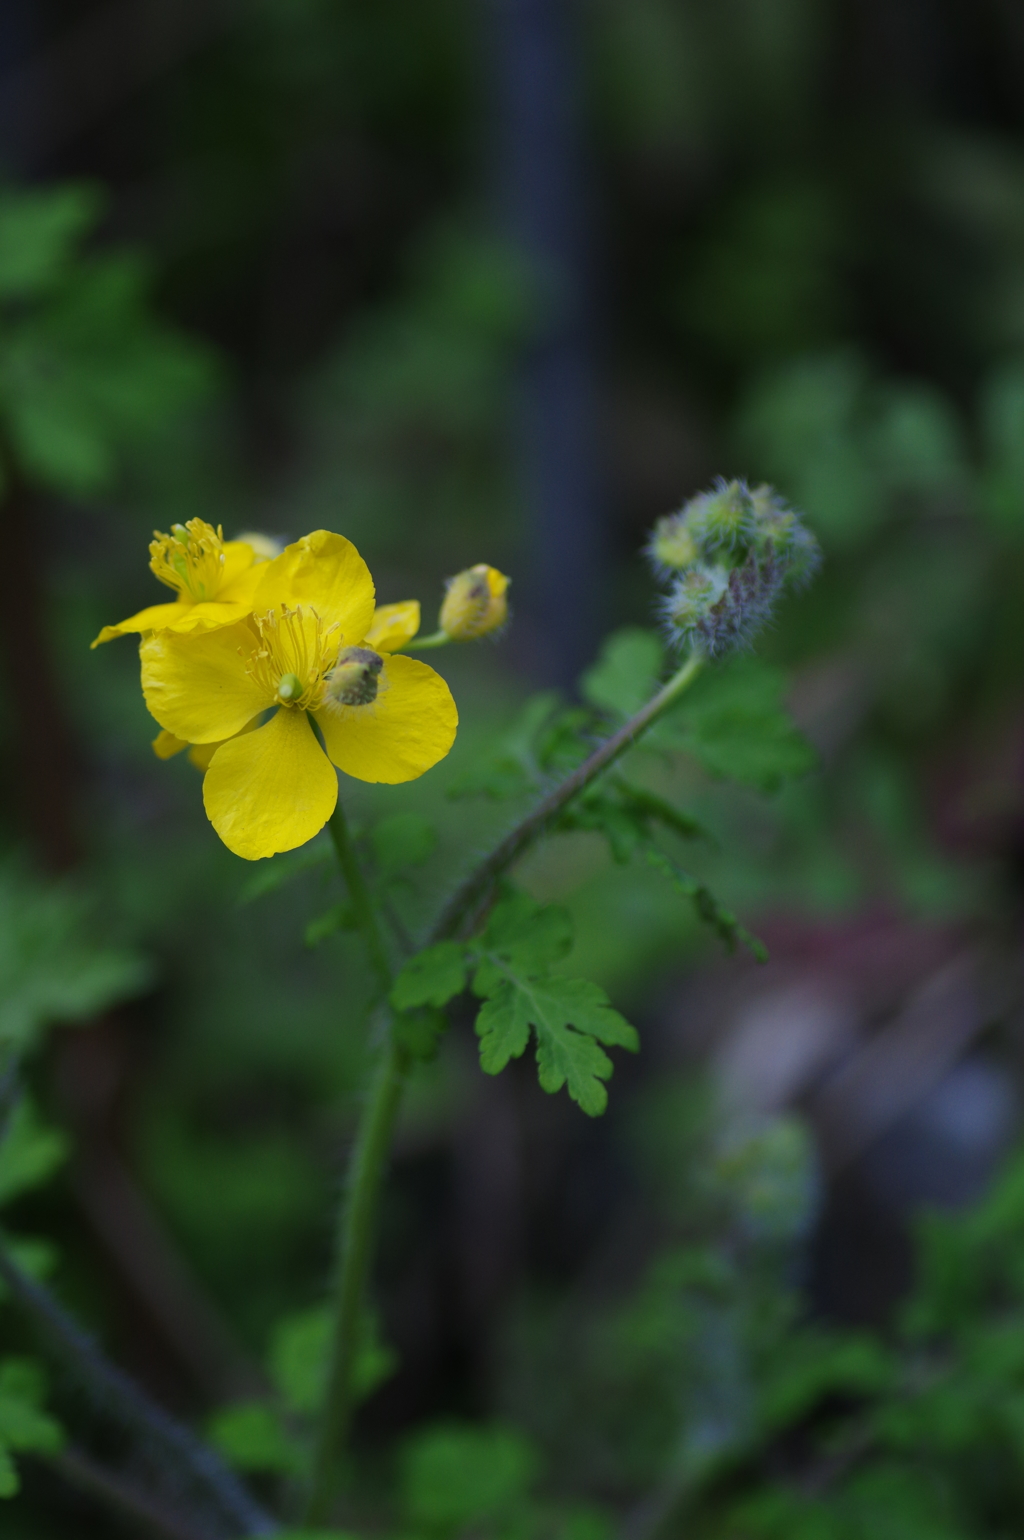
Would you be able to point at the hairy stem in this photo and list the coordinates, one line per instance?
(357, 1224)
(359, 893)
(465, 904)
(357, 1232)
(125, 1400)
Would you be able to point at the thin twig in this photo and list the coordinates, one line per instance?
(132, 1405)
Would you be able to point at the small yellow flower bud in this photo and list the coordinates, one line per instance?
(354, 679)
(289, 688)
(265, 547)
(475, 603)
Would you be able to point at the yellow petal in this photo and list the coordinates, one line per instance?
(393, 625)
(197, 686)
(270, 790)
(408, 728)
(200, 754)
(240, 584)
(185, 618)
(166, 745)
(239, 556)
(153, 618)
(327, 573)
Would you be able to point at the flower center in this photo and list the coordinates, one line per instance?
(190, 559)
(295, 653)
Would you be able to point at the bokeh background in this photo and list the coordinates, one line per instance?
(504, 280)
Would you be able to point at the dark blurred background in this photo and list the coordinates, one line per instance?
(505, 280)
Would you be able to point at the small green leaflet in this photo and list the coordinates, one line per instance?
(511, 966)
(24, 1426)
(570, 1017)
(624, 814)
(734, 722)
(722, 921)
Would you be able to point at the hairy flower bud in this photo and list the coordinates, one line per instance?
(731, 551)
(672, 547)
(723, 519)
(474, 604)
(354, 679)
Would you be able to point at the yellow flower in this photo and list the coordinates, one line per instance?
(214, 579)
(302, 654)
(474, 604)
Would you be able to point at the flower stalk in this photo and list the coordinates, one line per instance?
(357, 1232)
(463, 908)
(359, 893)
(357, 1225)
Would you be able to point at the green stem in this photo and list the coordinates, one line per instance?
(357, 1225)
(359, 893)
(355, 1250)
(420, 643)
(474, 892)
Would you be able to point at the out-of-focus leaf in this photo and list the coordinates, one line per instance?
(340, 916)
(36, 1257)
(433, 977)
(30, 1153)
(24, 1426)
(39, 230)
(722, 921)
(51, 970)
(404, 839)
(298, 1359)
(252, 1436)
(457, 1475)
(735, 723)
(625, 675)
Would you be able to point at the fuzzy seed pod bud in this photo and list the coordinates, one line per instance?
(354, 679)
(693, 596)
(723, 519)
(672, 547)
(748, 546)
(475, 603)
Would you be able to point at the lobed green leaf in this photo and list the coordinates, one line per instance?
(570, 1017)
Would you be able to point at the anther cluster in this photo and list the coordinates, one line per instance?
(728, 554)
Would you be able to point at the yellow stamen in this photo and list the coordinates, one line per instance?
(296, 653)
(190, 559)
